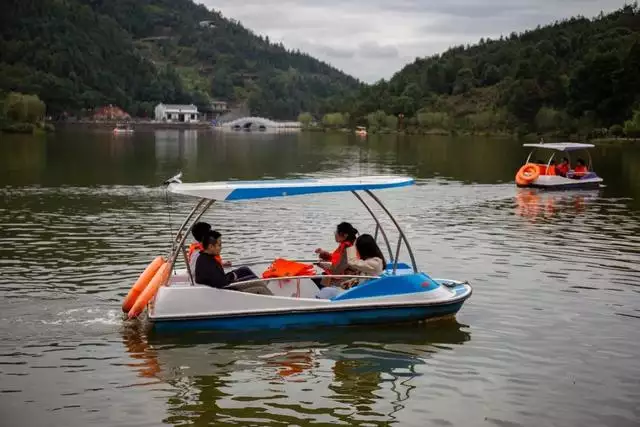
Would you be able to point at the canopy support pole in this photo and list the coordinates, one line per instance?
(395, 262)
(183, 232)
(184, 223)
(378, 225)
(402, 235)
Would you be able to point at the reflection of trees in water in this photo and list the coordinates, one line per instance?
(146, 158)
(282, 377)
(467, 159)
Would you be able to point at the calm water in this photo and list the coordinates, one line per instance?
(551, 336)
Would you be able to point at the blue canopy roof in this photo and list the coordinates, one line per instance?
(246, 190)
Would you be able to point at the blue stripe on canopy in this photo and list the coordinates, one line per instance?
(247, 190)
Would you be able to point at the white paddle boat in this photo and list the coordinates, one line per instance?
(400, 294)
(543, 175)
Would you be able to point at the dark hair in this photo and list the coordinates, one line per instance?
(348, 230)
(368, 248)
(200, 230)
(565, 159)
(552, 162)
(581, 162)
(210, 238)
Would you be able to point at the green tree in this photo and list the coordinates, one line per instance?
(334, 120)
(434, 120)
(632, 127)
(36, 109)
(305, 119)
(490, 75)
(464, 81)
(16, 109)
(391, 122)
(377, 120)
(616, 130)
(548, 119)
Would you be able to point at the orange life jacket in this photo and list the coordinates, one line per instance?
(337, 254)
(197, 246)
(551, 170)
(285, 268)
(580, 170)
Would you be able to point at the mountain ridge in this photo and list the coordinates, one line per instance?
(80, 54)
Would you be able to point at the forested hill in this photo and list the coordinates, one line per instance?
(79, 54)
(572, 74)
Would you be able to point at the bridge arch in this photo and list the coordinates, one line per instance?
(259, 123)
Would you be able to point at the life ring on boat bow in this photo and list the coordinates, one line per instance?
(159, 279)
(141, 283)
(527, 173)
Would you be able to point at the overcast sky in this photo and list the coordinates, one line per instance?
(372, 39)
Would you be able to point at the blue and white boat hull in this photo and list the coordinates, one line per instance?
(409, 298)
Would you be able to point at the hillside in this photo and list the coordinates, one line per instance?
(571, 75)
(81, 54)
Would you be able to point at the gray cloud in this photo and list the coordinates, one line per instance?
(373, 39)
(372, 49)
(334, 52)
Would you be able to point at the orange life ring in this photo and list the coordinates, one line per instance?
(159, 279)
(527, 174)
(141, 283)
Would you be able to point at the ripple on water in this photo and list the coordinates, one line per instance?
(526, 352)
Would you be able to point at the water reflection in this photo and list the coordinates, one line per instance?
(355, 376)
(93, 157)
(536, 204)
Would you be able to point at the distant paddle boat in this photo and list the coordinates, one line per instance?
(400, 294)
(122, 129)
(545, 175)
(361, 131)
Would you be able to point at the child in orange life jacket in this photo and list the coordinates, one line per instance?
(336, 262)
(199, 231)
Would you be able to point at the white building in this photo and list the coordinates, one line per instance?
(176, 113)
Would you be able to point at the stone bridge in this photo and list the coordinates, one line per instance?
(259, 123)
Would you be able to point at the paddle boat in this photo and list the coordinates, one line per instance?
(122, 129)
(542, 175)
(361, 131)
(400, 294)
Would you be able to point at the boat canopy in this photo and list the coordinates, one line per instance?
(561, 146)
(247, 190)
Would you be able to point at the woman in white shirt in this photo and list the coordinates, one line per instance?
(370, 262)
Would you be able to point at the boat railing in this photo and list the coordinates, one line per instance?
(242, 263)
(310, 277)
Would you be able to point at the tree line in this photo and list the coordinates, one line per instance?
(574, 76)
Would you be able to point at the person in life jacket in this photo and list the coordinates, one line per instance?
(370, 262)
(337, 262)
(209, 271)
(199, 231)
(580, 170)
(563, 168)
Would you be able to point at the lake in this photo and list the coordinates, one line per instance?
(550, 337)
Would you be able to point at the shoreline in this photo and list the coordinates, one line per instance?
(147, 124)
(535, 137)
